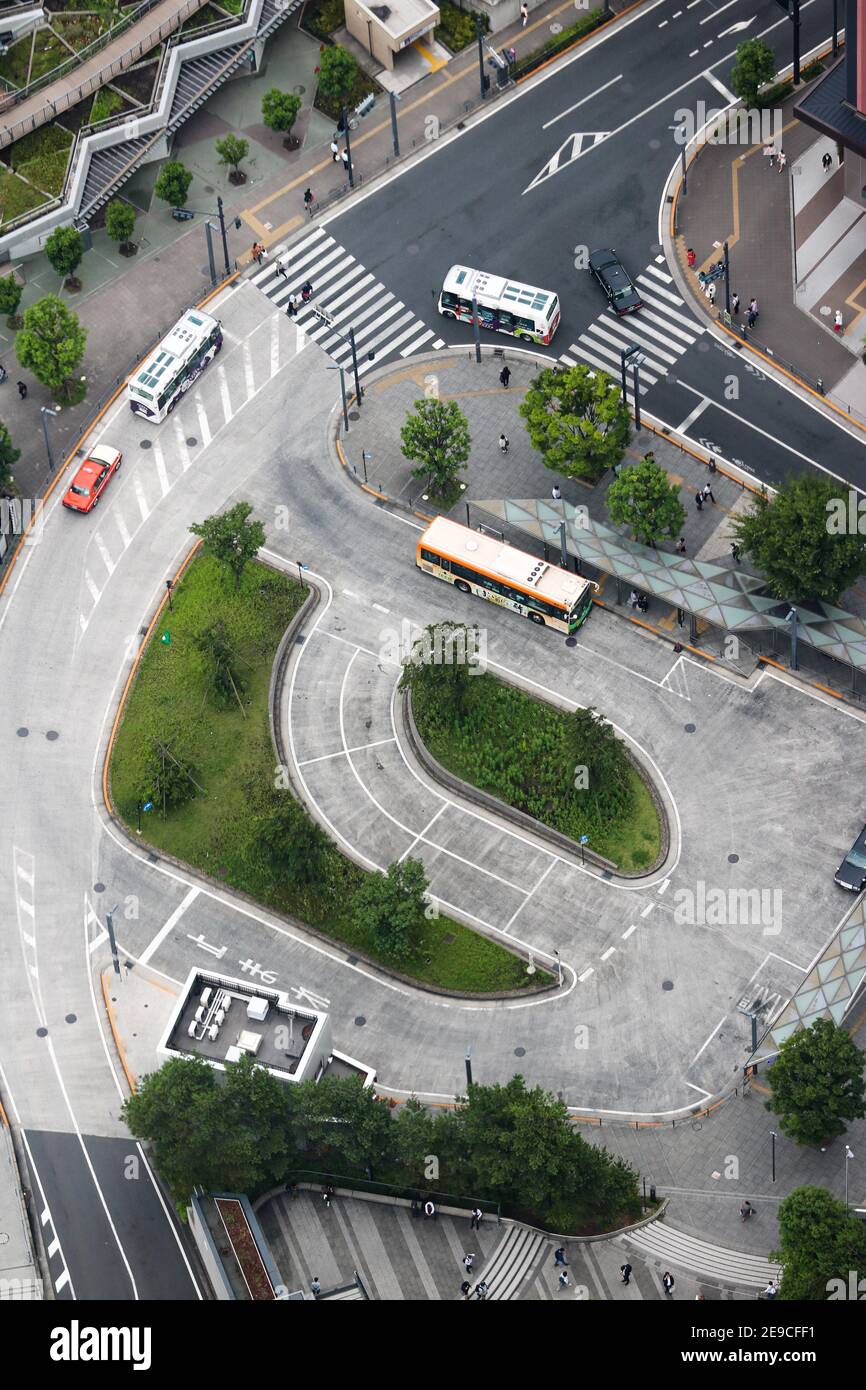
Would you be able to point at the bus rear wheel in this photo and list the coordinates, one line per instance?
(536, 618)
(462, 586)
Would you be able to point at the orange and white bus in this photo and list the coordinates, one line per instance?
(482, 565)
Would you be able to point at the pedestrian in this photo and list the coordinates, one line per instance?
(503, 443)
(563, 1279)
(430, 1210)
(711, 292)
(22, 390)
(335, 150)
(466, 1288)
(690, 258)
(827, 161)
(771, 1290)
(524, 12)
(3, 372)
(708, 492)
(415, 1207)
(559, 1256)
(750, 318)
(306, 291)
(481, 1291)
(505, 376)
(642, 603)
(475, 1223)
(681, 545)
(556, 493)
(292, 306)
(468, 1261)
(735, 551)
(344, 155)
(783, 160)
(735, 304)
(625, 1271)
(668, 1282)
(283, 269)
(633, 598)
(309, 200)
(699, 500)
(753, 307)
(315, 1287)
(837, 321)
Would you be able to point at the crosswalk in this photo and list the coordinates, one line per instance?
(351, 297)
(660, 329)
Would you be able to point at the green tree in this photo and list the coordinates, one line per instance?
(173, 183)
(338, 72)
(602, 770)
(9, 456)
(280, 109)
(801, 541)
(51, 344)
(437, 436)
(224, 677)
(642, 497)
(120, 224)
(817, 1083)
(344, 1122)
(285, 844)
(233, 150)
(439, 668)
(754, 65)
(413, 1139)
(169, 778)
(819, 1243)
(232, 538)
(577, 421)
(64, 249)
(10, 298)
(389, 908)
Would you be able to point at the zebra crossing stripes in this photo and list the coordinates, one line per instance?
(351, 296)
(660, 329)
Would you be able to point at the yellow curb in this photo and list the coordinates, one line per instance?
(130, 1079)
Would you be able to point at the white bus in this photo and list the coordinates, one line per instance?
(174, 365)
(504, 306)
(482, 565)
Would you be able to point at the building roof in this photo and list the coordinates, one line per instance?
(824, 108)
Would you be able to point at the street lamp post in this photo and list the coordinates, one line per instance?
(344, 117)
(45, 410)
(479, 32)
(335, 367)
(792, 619)
(848, 1156)
(468, 1064)
(558, 967)
(345, 338)
(773, 1137)
(476, 329)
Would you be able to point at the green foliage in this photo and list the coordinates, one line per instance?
(64, 249)
(105, 104)
(285, 844)
(338, 71)
(120, 221)
(326, 18)
(10, 295)
(51, 343)
(817, 1083)
(173, 183)
(528, 753)
(642, 497)
(577, 421)
(755, 64)
(9, 456)
(798, 540)
(225, 679)
(169, 779)
(436, 436)
(563, 40)
(232, 538)
(343, 1118)
(232, 150)
(456, 27)
(390, 908)
(441, 664)
(819, 1241)
(280, 109)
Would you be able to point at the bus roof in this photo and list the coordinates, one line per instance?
(189, 331)
(482, 552)
(465, 282)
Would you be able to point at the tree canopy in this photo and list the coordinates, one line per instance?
(232, 538)
(338, 71)
(642, 497)
(795, 541)
(754, 64)
(280, 109)
(173, 183)
(817, 1083)
(65, 249)
(120, 222)
(9, 456)
(390, 907)
(820, 1243)
(51, 342)
(437, 437)
(577, 421)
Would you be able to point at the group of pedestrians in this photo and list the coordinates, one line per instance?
(703, 494)
(339, 156)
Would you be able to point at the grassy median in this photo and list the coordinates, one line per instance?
(225, 763)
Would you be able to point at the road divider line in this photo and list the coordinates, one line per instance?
(168, 926)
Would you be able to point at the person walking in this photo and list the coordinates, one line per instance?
(315, 1287)
(711, 464)
(633, 598)
(283, 269)
(344, 155)
(22, 390)
(481, 1291)
(563, 1279)
(556, 493)
(771, 1290)
(335, 150)
(699, 500)
(466, 1288)
(746, 1210)
(524, 12)
(430, 1210)
(837, 321)
(711, 292)
(783, 160)
(625, 1271)
(735, 551)
(827, 161)
(503, 443)
(292, 306)
(309, 199)
(753, 307)
(735, 304)
(505, 376)
(681, 545)
(559, 1256)
(306, 292)
(468, 1261)
(668, 1282)
(477, 1215)
(690, 258)
(708, 493)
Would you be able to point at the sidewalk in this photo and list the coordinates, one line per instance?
(736, 194)
(127, 305)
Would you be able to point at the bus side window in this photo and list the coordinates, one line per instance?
(465, 306)
(450, 301)
(527, 324)
(506, 321)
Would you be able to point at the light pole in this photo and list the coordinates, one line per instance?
(335, 367)
(187, 213)
(44, 409)
(848, 1156)
(344, 121)
(350, 339)
(468, 1064)
(109, 924)
(393, 98)
(792, 619)
(558, 967)
(773, 1137)
(476, 328)
(479, 32)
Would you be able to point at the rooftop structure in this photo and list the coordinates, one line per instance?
(385, 29)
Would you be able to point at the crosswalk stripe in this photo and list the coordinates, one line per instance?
(413, 347)
(621, 342)
(662, 275)
(614, 357)
(638, 327)
(679, 333)
(657, 289)
(672, 314)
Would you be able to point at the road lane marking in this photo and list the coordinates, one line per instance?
(719, 85)
(203, 426)
(249, 375)
(693, 415)
(104, 552)
(275, 344)
(168, 926)
(225, 397)
(609, 952)
(716, 13)
(159, 461)
(586, 974)
(140, 497)
(627, 934)
(663, 887)
(648, 909)
(568, 110)
(94, 592)
(121, 526)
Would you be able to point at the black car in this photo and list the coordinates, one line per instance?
(611, 274)
(851, 873)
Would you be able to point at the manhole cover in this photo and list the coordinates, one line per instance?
(703, 347)
(733, 859)
(209, 188)
(99, 887)
(556, 28)
(145, 444)
(52, 735)
(72, 1018)
(42, 1032)
(520, 1051)
(412, 248)
(191, 442)
(571, 641)
(300, 90)
(354, 415)
(22, 732)
(360, 1021)
(654, 144)
(690, 728)
(667, 984)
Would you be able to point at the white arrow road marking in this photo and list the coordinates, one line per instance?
(738, 27)
(570, 150)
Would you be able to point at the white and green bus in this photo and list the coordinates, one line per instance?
(170, 370)
(504, 306)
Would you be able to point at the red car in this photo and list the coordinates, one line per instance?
(92, 478)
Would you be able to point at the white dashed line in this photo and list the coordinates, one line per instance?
(203, 426)
(663, 887)
(121, 526)
(140, 498)
(609, 952)
(380, 609)
(61, 1281)
(586, 974)
(648, 909)
(94, 592)
(694, 53)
